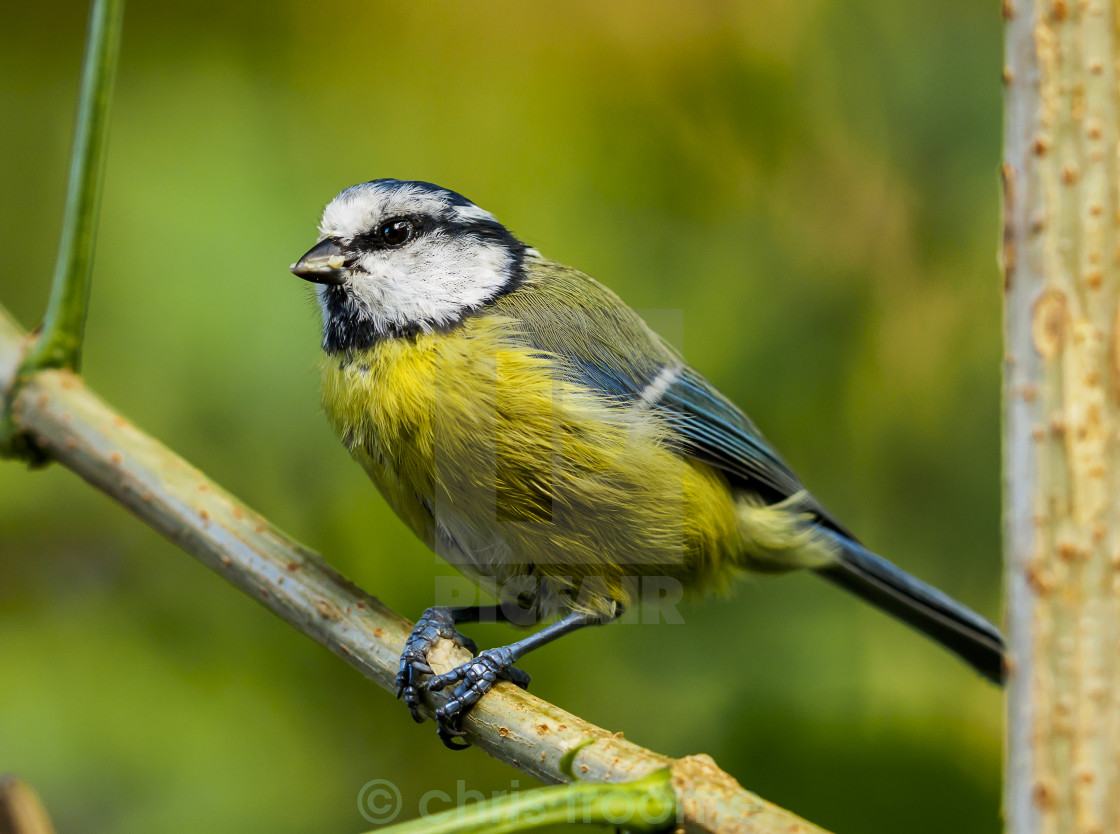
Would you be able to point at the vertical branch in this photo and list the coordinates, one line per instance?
(60, 344)
(1062, 414)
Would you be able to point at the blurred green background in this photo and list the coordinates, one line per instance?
(812, 185)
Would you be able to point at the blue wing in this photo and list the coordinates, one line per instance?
(716, 431)
(604, 345)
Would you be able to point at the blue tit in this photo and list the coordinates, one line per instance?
(530, 428)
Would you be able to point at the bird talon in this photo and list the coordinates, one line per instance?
(474, 679)
(434, 624)
(451, 734)
(445, 680)
(467, 683)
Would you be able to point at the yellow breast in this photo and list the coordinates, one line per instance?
(478, 443)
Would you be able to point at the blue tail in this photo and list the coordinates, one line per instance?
(963, 632)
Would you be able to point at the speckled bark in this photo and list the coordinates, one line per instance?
(1062, 416)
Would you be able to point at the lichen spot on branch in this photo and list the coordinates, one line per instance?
(1048, 323)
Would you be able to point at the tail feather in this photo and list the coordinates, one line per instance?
(921, 606)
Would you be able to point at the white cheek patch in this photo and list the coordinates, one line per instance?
(431, 284)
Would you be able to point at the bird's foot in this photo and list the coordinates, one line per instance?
(434, 624)
(474, 678)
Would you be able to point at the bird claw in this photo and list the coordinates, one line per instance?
(451, 733)
(472, 680)
(434, 624)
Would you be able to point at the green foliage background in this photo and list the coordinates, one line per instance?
(810, 188)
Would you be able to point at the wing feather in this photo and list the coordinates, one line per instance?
(602, 344)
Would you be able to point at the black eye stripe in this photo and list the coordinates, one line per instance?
(385, 234)
(487, 231)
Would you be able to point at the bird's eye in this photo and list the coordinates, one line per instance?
(396, 232)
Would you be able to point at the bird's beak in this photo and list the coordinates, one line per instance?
(322, 264)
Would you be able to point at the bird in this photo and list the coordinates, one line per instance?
(534, 431)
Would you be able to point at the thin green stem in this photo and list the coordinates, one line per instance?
(644, 805)
(60, 343)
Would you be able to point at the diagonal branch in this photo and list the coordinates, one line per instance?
(78, 430)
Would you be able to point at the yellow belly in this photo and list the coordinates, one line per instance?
(509, 471)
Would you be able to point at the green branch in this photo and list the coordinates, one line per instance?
(644, 805)
(60, 342)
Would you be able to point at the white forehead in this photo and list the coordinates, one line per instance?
(360, 208)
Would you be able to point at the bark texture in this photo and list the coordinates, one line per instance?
(1062, 415)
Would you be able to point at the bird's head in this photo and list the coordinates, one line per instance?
(397, 257)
